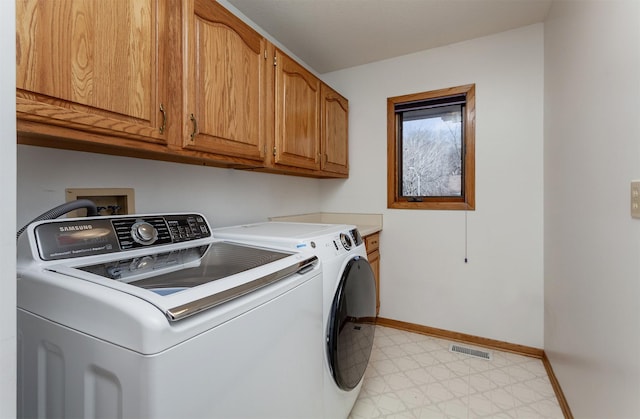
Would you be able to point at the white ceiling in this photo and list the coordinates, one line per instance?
(331, 35)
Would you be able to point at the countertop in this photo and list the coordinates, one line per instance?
(367, 224)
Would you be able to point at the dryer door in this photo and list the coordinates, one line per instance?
(351, 324)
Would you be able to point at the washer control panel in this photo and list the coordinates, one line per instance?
(65, 239)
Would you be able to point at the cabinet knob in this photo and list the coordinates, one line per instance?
(164, 119)
(194, 121)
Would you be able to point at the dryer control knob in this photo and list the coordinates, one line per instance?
(144, 233)
(346, 241)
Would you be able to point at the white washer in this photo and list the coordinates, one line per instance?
(151, 317)
(349, 305)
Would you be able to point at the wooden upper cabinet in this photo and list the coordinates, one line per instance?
(176, 80)
(335, 128)
(297, 115)
(226, 83)
(92, 66)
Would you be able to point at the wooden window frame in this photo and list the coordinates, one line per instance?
(464, 202)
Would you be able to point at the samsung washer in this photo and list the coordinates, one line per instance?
(150, 316)
(349, 304)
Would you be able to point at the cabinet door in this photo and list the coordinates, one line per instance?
(226, 83)
(372, 244)
(335, 128)
(297, 124)
(90, 66)
(374, 261)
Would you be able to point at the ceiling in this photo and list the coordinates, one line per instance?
(330, 35)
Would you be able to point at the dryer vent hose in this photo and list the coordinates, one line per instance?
(62, 210)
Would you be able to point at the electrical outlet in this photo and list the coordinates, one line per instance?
(635, 199)
(109, 201)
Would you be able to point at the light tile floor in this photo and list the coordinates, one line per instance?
(415, 376)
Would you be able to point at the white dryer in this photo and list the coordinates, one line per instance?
(150, 316)
(349, 303)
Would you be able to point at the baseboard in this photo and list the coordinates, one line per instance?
(486, 343)
(462, 337)
(564, 405)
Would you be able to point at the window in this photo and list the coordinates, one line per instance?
(431, 150)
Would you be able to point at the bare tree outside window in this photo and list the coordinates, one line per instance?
(431, 149)
(432, 153)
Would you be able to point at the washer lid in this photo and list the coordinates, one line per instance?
(200, 264)
(187, 281)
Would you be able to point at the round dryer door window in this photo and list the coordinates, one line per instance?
(352, 323)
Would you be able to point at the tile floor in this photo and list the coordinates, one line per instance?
(415, 376)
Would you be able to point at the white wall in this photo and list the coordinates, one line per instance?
(592, 245)
(424, 280)
(225, 196)
(8, 214)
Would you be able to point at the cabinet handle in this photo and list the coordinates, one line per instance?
(194, 121)
(164, 119)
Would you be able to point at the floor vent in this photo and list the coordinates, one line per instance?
(469, 351)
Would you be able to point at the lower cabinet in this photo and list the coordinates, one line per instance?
(373, 254)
